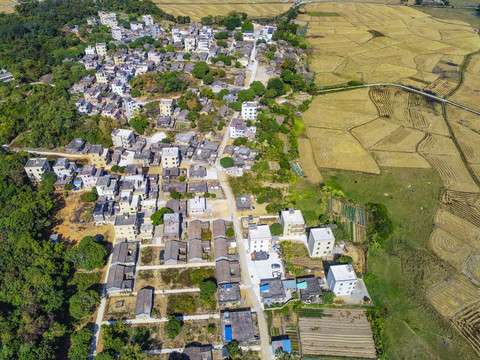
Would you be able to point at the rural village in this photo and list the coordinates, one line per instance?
(297, 181)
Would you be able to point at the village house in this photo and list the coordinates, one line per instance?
(63, 167)
(170, 157)
(292, 222)
(237, 325)
(125, 253)
(171, 226)
(123, 138)
(341, 279)
(259, 237)
(166, 107)
(175, 252)
(120, 278)
(126, 226)
(249, 110)
(144, 303)
(321, 242)
(197, 206)
(89, 176)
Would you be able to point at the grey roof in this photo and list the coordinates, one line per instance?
(243, 202)
(227, 271)
(220, 249)
(276, 290)
(195, 229)
(36, 162)
(173, 249)
(218, 228)
(116, 280)
(124, 253)
(178, 187)
(144, 302)
(312, 289)
(125, 219)
(241, 323)
(197, 187)
(198, 353)
(195, 250)
(61, 162)
(197, 171)
(229, 293)
(178, 206)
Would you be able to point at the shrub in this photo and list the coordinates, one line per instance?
(173, 327)
(328, 297)
(226, 162)
(276, 229)
(230, 232)
(207, 290)
(83, 303)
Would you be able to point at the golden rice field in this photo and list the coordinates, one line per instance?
(197, 11)
(378, 43)
(469, 92)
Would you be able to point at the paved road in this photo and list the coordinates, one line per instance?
(158, 292)
(178, 266)
(56, 153)
(406, 88)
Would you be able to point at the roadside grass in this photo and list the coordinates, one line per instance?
(399, 274)
(299, 126)
(322, 13)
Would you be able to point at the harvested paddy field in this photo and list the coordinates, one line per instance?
(379, 43)
(336, 332)
(197, 11)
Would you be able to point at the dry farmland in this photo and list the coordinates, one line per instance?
(339, 332)
(197, 11)
(378, 43)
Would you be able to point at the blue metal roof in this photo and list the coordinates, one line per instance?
(264, 287)
(228, 333)
(286, 345)
(302, 285)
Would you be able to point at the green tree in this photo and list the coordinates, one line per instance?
(200, 69)
(226, 162)
(221, 35)
(240, 141)
(135, 93)
(208, 79)
(230, 232)
(233, 349)
(207, 290)
(276, 84)
(81, 341)
(258, 87)
(246, 95)
(328, 298)
(222, 43)
(83, 303)
(276, 229)
(90, 196)
(247, 25)
(173, 327)
(157, 217)
(87, 255)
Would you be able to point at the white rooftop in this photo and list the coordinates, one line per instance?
(173, 151)
(259, 232)
(249, 104)
(322, 234)
(123, 132)
(197, 203)
(343, 272)
(294, 216)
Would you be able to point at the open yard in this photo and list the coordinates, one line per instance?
(173, 278)
(71, 220)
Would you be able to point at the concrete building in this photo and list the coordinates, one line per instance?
(134, 26)
(125, 253)
(90, 50)
(130, 106)
(107, 186)
(101, 49)
(120, 278)
(170, 157)
(117, 33)
(249, 110)
(35, 167)
(237, 128)
(197, 206)
(90, 175)
(123, 138)
(321, 242)
(259, 237)
(166, 107)
(126, 226)
(147, 19)
(190, 43)
(171, 226)
(292, 222)
(62, 167)
(341, 279)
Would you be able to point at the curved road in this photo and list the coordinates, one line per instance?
(346, 88)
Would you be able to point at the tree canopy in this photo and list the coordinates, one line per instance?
(88, 254)
(157, 217)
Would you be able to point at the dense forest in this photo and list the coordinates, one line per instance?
(35, 275)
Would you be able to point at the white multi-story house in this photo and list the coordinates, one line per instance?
(155, 30)
(134, 26)
(147, 19)
(90, 50)
(130, 106)
(204, 43)
(35, 167)
(118, 87)
(107, 186)
(166, 107)
(237, 128)
(63, 167)
(117, 33)
(249, 110)
(170, 157)
(123, 138)
(292, 222)
(321, 242)
(90, 175)
(109, 20)
(190, 43)
(126, 226)
(341, 279)
(259, 237)
(102, 78)
(101, 49)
